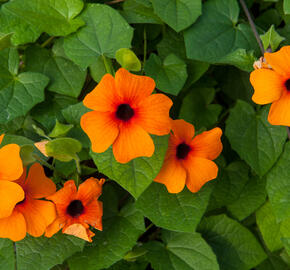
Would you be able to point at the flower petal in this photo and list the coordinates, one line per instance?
(10, 194)
(268, 85)
(90, 190)
(54, 227)
(153, 114)
(208, 144)
(183, 130)
(65, 195)
(280, 111)
(38, 215)
(13, 227)
(199, 171)
(172, 175)
(37, 184)
(10, 162)
(280, 61)
(79, 231)
(133, 88)
(93, 214)
(104, 97)
(132, 142)
(101, 129)
(1, 138)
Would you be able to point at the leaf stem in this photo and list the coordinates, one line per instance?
(43, 162)
(252, 24)
(115, 2)
(108, 65)
(45, 43)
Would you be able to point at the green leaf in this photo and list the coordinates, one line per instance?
(253, 138)
(216, 36)
(98, 69)
(136, 175)
(73, 113)
(274, 262)
(18, 92)
(186, 251)
(7, 256)
(43, 253)
(196, 108)
(169, 75)
(27, 19)
(235, 246)
(48, 111)
(167, 210)
(250, 199)
(271, 39)
(105, 32)
(139, 12)
(269, 227)
(60, 130)
(122, 265)
(286, 6)
(38, 253)
(229, 184)
(5, 40)
(66, 78)
(178, 14)
(63, 149)
(128, 59)
(120, 233)
(278, 186)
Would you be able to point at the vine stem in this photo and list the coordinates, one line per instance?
(45, 43)
(254, 29)
(115, 2)
(252, 24)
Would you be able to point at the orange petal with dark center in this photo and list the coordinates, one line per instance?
(280, 61)
(183, 130)
(199, 171)
(104, 97)
(172, 175)
(153, 114)
(280, 111)
(133, 88)
(93, 214)
(208, 144)
(268, 85)
(90, 190)
(132, 142)
(101, 129)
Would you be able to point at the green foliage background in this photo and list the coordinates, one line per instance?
(200, 53)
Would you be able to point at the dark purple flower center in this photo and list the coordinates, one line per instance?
(124, 112)
(182, 150)
(287, 84)
(75, 208)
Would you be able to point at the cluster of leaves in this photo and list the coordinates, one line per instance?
(52, 53)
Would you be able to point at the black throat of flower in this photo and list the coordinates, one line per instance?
(287, 85)
(124, 112)
(182, 150)
(75, 208)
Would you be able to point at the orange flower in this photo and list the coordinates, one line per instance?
(188, 159)
(124, 112)
(272, 85)
(28, 214)
(77, 209)
(10, 170)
